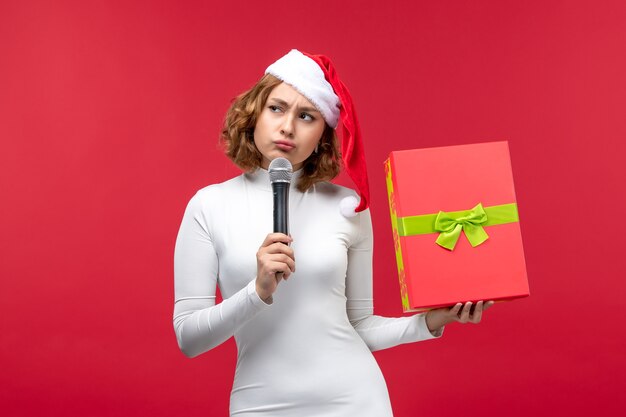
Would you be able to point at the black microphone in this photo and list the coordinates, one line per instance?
(280, 177)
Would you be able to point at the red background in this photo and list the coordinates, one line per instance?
(109, 119)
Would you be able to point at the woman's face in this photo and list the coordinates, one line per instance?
(289, 126)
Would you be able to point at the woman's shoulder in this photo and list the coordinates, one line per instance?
(232, 183)
(342, 199)
(217, 192)
(334, 190)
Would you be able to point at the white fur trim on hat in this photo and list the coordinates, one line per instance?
(305, 75)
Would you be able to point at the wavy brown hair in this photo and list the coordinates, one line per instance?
(238, 137)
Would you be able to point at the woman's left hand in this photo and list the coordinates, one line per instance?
(439, 317)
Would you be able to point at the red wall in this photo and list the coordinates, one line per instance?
(109, 119)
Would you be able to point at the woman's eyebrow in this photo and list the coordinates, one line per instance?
(285, 104)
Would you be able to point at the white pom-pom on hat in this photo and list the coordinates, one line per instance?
(348, 205)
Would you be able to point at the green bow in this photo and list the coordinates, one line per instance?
(451, 224)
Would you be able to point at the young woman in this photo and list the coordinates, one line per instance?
(304, 344)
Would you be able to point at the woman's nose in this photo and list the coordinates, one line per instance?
(287, 127)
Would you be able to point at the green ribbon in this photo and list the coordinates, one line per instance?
(449, 225)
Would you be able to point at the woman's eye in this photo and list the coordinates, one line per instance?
(273, 108)
(307, 117)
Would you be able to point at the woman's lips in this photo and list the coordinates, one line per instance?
(283, 145)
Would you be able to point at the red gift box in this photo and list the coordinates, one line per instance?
(455, 224)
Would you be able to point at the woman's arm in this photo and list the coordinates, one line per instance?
(377, 332)
(199, 324)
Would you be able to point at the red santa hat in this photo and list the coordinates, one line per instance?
(315, 77)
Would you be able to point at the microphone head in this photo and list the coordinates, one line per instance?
(280, 170)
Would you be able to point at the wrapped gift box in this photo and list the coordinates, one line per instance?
(455, 224)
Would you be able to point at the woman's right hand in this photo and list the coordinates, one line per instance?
(274, 261)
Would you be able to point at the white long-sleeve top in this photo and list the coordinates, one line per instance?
(309, 352)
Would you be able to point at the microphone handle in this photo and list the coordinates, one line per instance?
(281, 210)
(281, 207)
